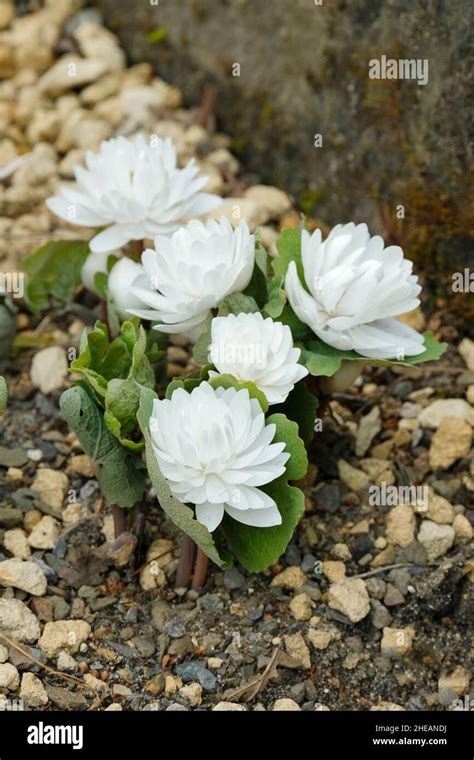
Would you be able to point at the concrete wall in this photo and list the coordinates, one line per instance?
(304, 70)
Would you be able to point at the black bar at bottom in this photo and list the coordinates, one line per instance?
(376, 734)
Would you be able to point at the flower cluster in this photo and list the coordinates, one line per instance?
(210, 443)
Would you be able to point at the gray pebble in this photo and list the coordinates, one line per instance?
(233, 578)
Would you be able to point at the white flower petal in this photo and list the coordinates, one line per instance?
(257, 518)
(121, 277)
(209, 515)
(193, 271)
(214, 449)
(256, 349)
(136, 186)
(110, 238)
(354, 288)
(95, 263)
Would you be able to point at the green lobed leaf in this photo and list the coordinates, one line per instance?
(54, 273)
(289, 249)
(300, 406)
(188, 383)
(257, 287)
(299, 330)
(324, 360)
(125, 357)
(7, 328)
(141, 369)
(236, 303)
(121, 479)
(100, 284)
(287, 431)
(115, 371)
(3, 395)
(258, 548)
(276, 297)
(122, 400)
(229, 381)
(201, 347)
(180, 514)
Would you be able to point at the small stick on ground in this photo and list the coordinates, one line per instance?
(385, 569)
(186, 562)
(42, 665)
(200, 570)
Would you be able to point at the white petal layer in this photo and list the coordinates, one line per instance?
(123, 274)
(353, 289)
(213, 447)
(135, 189)
(95, 263)
(192, 272)
(250, 347)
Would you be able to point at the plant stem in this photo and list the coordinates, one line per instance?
(120, 519)
(200, 570)
(186, 561)
(138, 246)
(207, 105)
(103, 315)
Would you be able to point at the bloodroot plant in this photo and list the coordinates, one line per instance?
(223, 447)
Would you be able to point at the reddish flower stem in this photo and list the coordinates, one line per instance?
(186, 562)
(120, 520)
(200, 570)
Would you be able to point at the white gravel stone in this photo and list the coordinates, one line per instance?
(286, 705)
(70, 72)
(18, 622)
(63, 634)
(466, 349)
(401, 524)
(369, 427)
(66, 662)
(351, 598)
(355, 479)
(397, 642)
(49, 369)
(16, 542)
(433, 414)
(452, 441)
(296, 647)
(452, 685)
(301, 606)
(439, 509)
(462, 529)
(51, 487)
(9, 677)
(45, 534)
(290, 578)
(437, 539)
(25, 575)
(274, 201)
(33, 691)
(238, 209)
